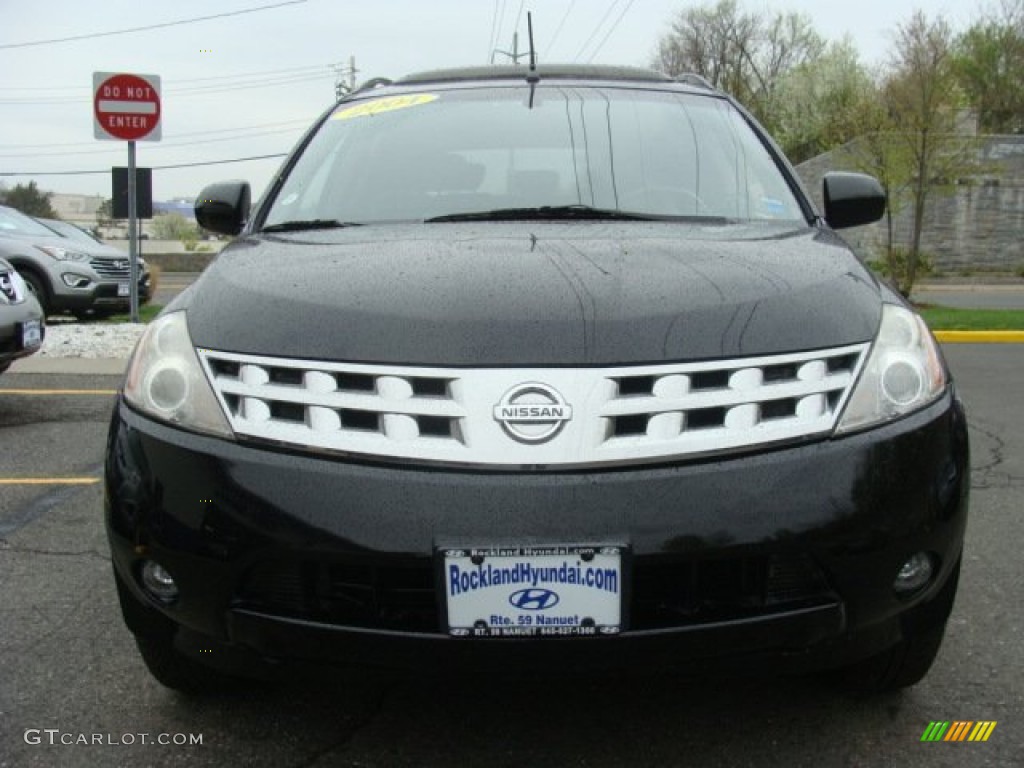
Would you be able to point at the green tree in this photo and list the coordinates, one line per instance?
(105, 214)
(29, 200)
(882, 151)
(823, 104)
(173, 226)
(989, 64)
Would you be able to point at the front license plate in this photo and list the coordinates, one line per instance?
(31, 334)
(124, 289)
(533, 591)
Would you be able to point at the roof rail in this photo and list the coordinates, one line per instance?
(545, 71)
(692, 78)
(374, 82)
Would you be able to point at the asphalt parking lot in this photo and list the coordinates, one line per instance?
(68, 667)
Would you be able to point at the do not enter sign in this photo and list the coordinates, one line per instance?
(126, 107)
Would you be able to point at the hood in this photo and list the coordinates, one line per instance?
(534, 294)
(20, 241)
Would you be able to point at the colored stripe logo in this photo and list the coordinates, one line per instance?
(959, 730)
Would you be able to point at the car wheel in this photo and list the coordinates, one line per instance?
(37, 287)
(175, 670)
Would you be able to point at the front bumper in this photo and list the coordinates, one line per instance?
(12, 319)
(101, 293)
(787, 555)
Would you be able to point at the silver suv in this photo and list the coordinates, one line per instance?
(64, 275)
(21, 321)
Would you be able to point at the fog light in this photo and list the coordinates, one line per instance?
(158, 582)
(914, 574)
(71, 280)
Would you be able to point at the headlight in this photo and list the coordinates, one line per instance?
(903, 373)
(166, 381)
(63, 254)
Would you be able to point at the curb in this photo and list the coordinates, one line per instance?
(980, 337)
(89, 366)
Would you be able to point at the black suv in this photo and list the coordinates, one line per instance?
(557, 365)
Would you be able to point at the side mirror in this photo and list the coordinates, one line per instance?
(852, 199)
(224, 207)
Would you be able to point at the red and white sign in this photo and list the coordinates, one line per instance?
(126, 107)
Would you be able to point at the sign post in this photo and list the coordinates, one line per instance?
(127, 108)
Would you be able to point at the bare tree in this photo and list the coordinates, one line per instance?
(714, 42)
(923, 100)
(741, 52)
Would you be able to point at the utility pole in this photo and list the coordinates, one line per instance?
(345, 78)
(514, 54)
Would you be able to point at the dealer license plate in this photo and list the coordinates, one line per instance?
(31, 334)
(124, 289)
(555, 591)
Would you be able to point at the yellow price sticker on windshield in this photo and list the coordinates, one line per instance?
(377, 106)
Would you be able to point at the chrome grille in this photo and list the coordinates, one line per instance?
(116, 269)
(621, 415)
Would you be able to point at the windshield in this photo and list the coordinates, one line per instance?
(71, 232)
(441, 155)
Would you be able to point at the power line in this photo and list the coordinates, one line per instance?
(519, 15)
(493, 42)
(92, 35)
(558, 30)
(612, 29)
(310, 68)
(188, 134)
(501, 23)
(155, 167)
(200, 90)
(155, 147)
(597, 28)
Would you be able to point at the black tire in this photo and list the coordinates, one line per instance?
(180, 673)
(37, 286)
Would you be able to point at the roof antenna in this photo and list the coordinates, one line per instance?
(533, 78)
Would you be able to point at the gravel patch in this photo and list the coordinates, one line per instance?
(91, 340)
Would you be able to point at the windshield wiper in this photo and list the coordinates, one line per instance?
(309, 224)
(545, 212)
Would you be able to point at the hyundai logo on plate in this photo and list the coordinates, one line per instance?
(533, 412)
(534, 599)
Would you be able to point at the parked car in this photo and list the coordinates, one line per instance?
(22, 328)
(64, 275)
(543, 369)
(99, 248)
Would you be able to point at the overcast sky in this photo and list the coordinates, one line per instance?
(248, 84)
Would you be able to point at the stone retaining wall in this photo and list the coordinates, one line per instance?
(979, 225)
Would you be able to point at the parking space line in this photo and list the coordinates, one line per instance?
(58, 392)
(49, 480)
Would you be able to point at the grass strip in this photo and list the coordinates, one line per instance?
(953, 319)
(146, 313)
